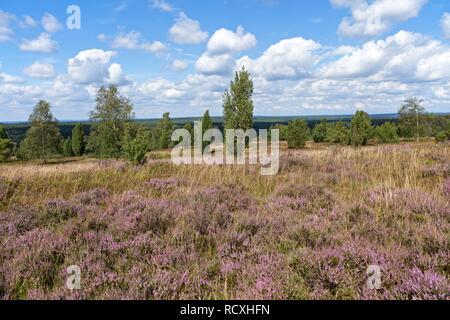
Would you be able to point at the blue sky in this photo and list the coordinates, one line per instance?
(306, 57)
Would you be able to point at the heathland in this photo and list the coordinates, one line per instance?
(160, 231)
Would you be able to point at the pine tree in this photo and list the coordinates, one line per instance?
(162, 133)
(111, 114)
(6, 145)
(67, 148)
(136, 143)
(361, 129)
(207, 124)
(238, 103)
(43, 139)
(78, 144)
(297, 134)
(320, 131)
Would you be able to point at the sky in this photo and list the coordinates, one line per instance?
(321, 57)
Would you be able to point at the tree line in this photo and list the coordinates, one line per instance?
(115, 134)
(414, 123)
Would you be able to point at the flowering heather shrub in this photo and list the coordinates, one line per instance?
(419, 285)
(408, 202)
(93, 197)
(57, 211)
(302, 240)
(17, 221)
(437, 170)
(446, 187)
(164, 185)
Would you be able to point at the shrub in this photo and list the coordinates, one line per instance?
(297, 134)
(320, 132)
(441, 136)
(387, 133)
(136, 143)
(361, 129)
(338, 133)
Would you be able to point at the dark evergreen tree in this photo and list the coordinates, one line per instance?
(297, 134)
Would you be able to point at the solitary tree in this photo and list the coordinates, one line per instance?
(78, 144)
(43, 139)
(6, 145)
(238, 103)
(109, 117)
(411, 117)
(361, 129)
(297, 134)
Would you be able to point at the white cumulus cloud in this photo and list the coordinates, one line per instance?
(40, 70)
(227, 41)
(50, 23)
(187, 31)
(372, 18)
(43, 43)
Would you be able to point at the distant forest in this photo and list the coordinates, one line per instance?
(16, 131)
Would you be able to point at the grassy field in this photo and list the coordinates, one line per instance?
(162, 231)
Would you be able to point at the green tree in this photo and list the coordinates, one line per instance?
(441, 136)
(338, 133)
(190, 128)
(387, 133)
(43, 139)
(207, 124)
(320, 131)
(238, 103)
(136, 145)
(78, 144)
(297, 134)
(361, 129)
(67, 148)
(6, 145)
(162, 133)
(412, 122)
(112, 112)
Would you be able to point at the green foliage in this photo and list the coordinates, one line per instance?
(387, 133)
(297, 134)
(441, 136)
(238, 103)
(338, 133)
(412, 118)
(67, 148)
(136, 143)
(110, 116)
(78, 144)
(6, 145)
(207, 124)
(190, 128)
(43, 139)
(320, 131)
(361, 129)
(162, 133)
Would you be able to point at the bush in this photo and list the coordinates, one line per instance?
(338, 133)
(136, 143)
(320, 132)
(297, 134)
(387, 133)
(441, 137)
